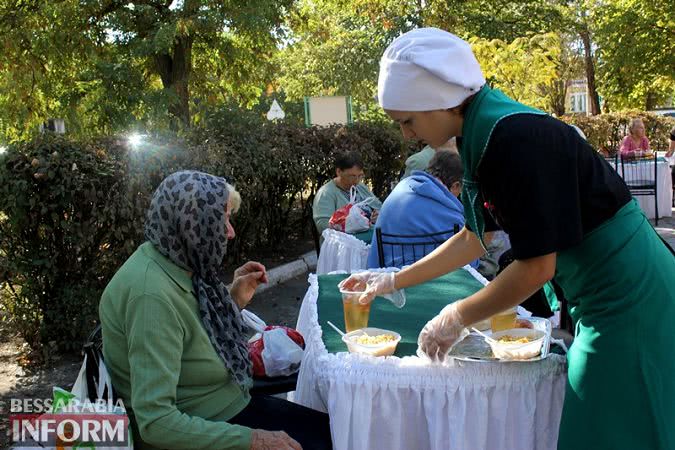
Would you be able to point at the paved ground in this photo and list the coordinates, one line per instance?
(666, 228)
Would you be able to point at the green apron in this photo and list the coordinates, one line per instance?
(620, 284)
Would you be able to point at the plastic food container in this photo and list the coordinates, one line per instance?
(383, 349)
(517, 351)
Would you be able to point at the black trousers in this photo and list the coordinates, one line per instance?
(309, 427)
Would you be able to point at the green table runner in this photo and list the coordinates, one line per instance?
(422, 303)
(365, 236)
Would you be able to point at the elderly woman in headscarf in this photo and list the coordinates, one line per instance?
(174, 339)
(568, 215)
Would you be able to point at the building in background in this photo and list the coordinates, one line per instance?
(577, 100)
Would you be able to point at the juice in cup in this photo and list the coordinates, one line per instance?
(356, 314)
(504, 320)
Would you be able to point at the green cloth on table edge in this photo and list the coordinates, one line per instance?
(365, 236)
(423, 302)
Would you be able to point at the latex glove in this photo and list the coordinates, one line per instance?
(273, 440)
(373, 284)
(441, 333)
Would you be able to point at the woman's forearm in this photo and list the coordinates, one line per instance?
(516, 283)
(456, 252)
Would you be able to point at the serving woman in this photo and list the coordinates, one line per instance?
(568, 215)
(174, 339)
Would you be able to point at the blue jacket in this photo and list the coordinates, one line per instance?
(419, 204)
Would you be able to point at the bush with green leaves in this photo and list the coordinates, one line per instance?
(606, 131)
(62, 214)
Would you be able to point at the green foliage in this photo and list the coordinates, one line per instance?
(523, 69)
(636, 44)
(108, 67)
(490, 19)
(606, 131)
(56, 196)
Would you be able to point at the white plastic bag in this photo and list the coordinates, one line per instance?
(281, 355)
(356, 220)
(255, 323)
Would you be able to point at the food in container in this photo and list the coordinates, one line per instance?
(372, 341)
(516, 343)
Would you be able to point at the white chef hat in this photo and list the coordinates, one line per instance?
(427, 69)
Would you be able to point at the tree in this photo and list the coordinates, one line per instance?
(635, 45)
(493, 19)
(336, 48)
(524, 69)
(106, 62)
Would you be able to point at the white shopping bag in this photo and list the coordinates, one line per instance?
(281, 355)
(356, 220)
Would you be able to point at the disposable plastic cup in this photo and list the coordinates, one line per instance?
(505, 320)
(356, 314)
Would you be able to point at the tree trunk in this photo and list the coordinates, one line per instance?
(590, 72)
(558, 95)
(650, 101)
(174, 71)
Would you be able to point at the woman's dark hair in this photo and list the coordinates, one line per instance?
(446, 166)
(462, 107)
(347, 160)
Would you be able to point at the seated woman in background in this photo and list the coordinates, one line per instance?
(174, 339)
(335, 194)
(635, 144)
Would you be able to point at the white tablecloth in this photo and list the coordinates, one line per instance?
(407, 403)
(664, 192)
(341, 251)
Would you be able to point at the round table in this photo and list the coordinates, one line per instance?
(405, 402)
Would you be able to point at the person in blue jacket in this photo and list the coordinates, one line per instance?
(425, 202)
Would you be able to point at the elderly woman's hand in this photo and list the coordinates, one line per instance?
(246, 279)
(273, 440)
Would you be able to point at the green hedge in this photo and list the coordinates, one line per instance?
(606, 131)
(72, 212)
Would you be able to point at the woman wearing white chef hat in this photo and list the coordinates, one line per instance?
(568, 216)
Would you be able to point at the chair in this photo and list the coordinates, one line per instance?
(412, 247)
(613, 161)
(93, 348)
(640, 177)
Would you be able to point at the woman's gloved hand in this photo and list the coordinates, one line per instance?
(373, 284)
(441, 333)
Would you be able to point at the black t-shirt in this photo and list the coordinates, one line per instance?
(545, 186)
